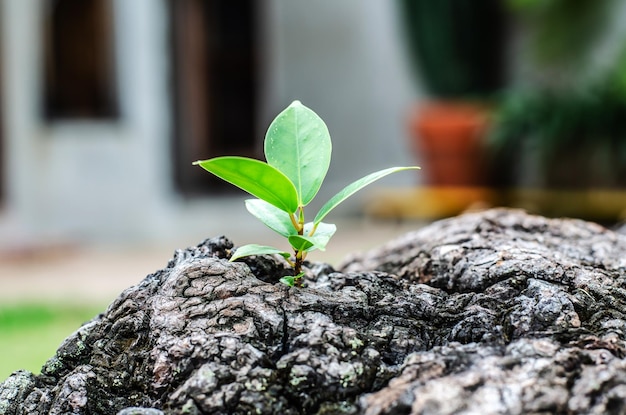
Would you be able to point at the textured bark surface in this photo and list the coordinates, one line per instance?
(498, 312)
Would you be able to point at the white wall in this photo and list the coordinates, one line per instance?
(87, 179)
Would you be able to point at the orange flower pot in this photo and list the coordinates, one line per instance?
(449, 138)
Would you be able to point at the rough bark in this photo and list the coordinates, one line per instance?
(498, 312)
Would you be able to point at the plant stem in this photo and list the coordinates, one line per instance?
(297, 267)
(294, 221)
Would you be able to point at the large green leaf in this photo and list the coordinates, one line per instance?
(254, 249)
(354, 187)
(276, 219)
(298, 144)
(255, 177)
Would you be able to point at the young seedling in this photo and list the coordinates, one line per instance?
(297, 148)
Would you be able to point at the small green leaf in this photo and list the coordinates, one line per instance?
(318, 240)
(254, 249)
(274, 218)
(322, 235)
(301, 243)
(288, 280)
(354, 187)
(291, 280)
(298, 144)
(255, 177)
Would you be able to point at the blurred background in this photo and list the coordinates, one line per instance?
(106, 103)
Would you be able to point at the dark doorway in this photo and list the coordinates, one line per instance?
(214, 49)
(79, 66)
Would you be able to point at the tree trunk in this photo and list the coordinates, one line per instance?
(498, 312)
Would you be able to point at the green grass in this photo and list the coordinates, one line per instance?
(31, 333)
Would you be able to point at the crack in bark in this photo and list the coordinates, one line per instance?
(284, 348)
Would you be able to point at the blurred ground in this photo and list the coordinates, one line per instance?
(97, 274)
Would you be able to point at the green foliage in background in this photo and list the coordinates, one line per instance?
(456, 46)
(562, 32)
(298, 150)
(578, 138)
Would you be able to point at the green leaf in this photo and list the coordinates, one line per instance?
(298, 144)
(354, 187)
(301, 243)
(291, 280)
(322, 235)
(318, 240)
(288, 280)
(276, 219)
(255, 177)
(254, 249)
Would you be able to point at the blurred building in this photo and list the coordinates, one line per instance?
(106, 103)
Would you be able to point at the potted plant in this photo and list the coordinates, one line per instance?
(574, 139)
(564, 130)
(457, 48)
